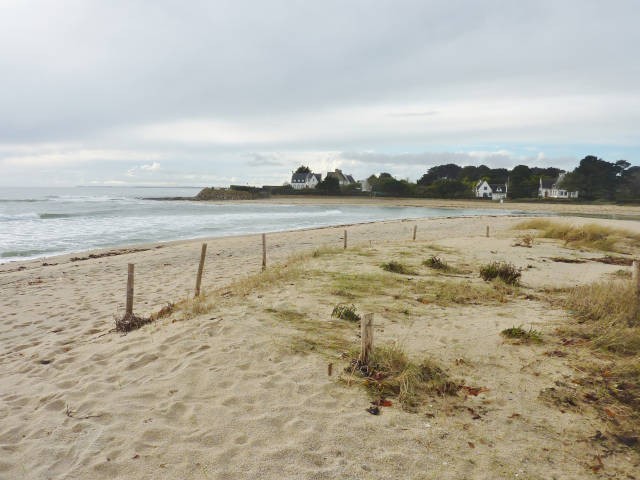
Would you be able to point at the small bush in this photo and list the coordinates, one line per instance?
(390, 372)
(345, 312)
(519, 333)
(506, 272)
(397, 267)
(437, 263)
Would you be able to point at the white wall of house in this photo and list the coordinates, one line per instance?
(483, 189)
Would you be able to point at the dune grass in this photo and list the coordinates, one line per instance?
(391, 373)
(397, 267)
(591, 235)
(609, 316)
(346, 312)
(437, 263)
(522, 335)
(506, 272)
(444, 293)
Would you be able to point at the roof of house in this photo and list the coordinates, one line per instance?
(337, 174)
(300, 177)
(498, 187)
(350, 178)
(547, 182)
(318, 176)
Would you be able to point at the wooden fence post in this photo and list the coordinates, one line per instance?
(487, 231)
(345, 239)
(366, 333)
(203, 254)
(129, 308)
(635, 276)
(415, 229)
(264, 251)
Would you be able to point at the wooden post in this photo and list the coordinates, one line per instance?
(330, 369)
(415, 229)
(635, 276)
(487, 231)
(129, 309)
(366, 333)
(345, 239)
(203, 254)
(264, 251)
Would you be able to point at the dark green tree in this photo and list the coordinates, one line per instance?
(303, 169)
(329, 185)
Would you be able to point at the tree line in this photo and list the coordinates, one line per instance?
(594, 178)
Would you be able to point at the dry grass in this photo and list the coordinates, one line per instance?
(591, 235)
(365, 284)
(437, 263)
(130, 322)
(506, 272)
(327, 337)
(445, 293)
(526, 240)
(398, 267)
(345, 312)
(522, 335)
(391, 373)
(610, 315)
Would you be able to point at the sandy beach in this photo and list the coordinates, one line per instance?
(224, 395)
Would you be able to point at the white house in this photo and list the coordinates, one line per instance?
(494, 191)
(550, 188)
(300, 181)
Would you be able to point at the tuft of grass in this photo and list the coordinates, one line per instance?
(130, 322)
(345, 312)
(525, 240)
(518, 333)
(591, 235)
(507, 272)
(398, 267)
(391, 373)
(437, 263)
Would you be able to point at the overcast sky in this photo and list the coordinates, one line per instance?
(218, 92)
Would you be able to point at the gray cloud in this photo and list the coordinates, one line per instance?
(86, 83)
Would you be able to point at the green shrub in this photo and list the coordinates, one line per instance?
(507, 272)
(345, 312)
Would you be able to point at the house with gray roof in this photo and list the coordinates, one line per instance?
(342, 178)
(300, 181)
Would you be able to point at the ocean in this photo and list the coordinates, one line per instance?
(42, 222)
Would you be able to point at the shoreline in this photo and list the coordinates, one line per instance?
(610, 212)
(129, 248)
